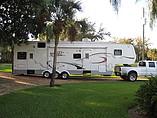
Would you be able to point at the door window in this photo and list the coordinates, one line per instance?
(31, 55)
(151, 64)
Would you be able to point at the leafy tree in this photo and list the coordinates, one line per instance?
(152, 54)
(89, 31)
(124, 41)
(116, 4)
(18, 18)
(152, 11)
(138, 44)
(62, 17)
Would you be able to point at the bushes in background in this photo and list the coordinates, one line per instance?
(146, 97)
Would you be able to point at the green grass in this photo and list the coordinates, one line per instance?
(73, 100)
(5, 68)
(96, 76)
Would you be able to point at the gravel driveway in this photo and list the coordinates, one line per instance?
(11, 82)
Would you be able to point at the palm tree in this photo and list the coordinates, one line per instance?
(152, 4)
(152, 54)
(64, 11)
(153, 11)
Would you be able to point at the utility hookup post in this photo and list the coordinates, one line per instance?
(143, 36)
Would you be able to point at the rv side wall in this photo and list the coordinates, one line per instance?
(73, 57)
(31, 58)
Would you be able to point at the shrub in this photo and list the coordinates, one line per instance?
(146, 97)
(5, 60)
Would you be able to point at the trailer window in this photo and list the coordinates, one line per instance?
(76, 56)
(41, 45)
(151, 64)
(21, 55)
(86, 55)
(117, 52)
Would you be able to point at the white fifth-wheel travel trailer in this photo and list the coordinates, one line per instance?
(77, 58)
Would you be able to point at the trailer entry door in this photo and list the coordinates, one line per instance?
(30, 62)
(86, 59)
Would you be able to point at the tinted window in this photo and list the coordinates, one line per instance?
(21, 55)
(117, 52)
(87, 55)
(142, 64)
(77, 56)
(31, 55)
(151, 64)
(41, 45)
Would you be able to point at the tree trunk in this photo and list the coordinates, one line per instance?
(52, 82)
(12, 58)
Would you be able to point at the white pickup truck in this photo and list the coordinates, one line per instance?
(144, 69)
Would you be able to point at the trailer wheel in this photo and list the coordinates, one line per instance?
(64, 75)
(132, 76)
(57, 75)
(46, 74)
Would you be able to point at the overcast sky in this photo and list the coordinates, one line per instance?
(128, 23)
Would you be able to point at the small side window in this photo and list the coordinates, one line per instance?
(142, 64)
(21, 55)
(31, 55)
(76, 56)
(86, 55)
(117, 52)
(41, 45)
(151, 64)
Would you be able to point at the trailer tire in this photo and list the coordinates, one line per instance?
(57, 75)
(64, 75)
(46, 74)
(132, 76)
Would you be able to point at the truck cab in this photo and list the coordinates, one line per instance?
(144, 69)
(150, 68)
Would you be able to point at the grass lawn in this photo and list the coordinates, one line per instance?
(72, 100)
(5, 68)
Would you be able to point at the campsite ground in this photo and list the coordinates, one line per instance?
(12, 82)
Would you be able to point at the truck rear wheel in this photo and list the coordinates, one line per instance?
(132, 76)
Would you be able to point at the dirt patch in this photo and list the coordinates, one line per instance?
(135, 112)
(10, 82)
